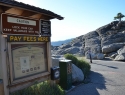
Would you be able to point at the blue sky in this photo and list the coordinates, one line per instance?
(80, 16)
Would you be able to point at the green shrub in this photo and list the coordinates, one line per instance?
(82, 64)
(71, 57)
(43, 88)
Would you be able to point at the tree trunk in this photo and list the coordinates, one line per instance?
(119, 20)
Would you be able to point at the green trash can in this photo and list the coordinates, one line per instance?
(65, 74)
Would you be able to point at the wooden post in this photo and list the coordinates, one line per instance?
(1, 89)
(49, 55)
(4, 64)
(3, 61)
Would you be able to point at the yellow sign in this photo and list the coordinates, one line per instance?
(23, 38)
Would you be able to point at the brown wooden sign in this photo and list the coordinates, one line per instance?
(12, 24)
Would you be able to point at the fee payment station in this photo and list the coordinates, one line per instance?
(25, 46)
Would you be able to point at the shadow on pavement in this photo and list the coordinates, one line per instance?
(106, 65)
(107, 59)
(95, 81)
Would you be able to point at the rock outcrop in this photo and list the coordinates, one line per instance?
(108, 40)
(77, 74)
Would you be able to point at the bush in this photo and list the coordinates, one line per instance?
(82, 64)
(44, 88)
(71, 57)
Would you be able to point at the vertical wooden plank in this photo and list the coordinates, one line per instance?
(0, 63)
(0, 46)
(49, 61)
(1, 89)
(4, 65)
(3, 51)
(49, 55)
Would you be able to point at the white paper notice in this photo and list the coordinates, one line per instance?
(28, 61)
(24, 62)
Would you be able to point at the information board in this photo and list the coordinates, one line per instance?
(45, 28)
(12, 24)
(28, 60)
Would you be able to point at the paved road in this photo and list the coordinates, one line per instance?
(106, 78)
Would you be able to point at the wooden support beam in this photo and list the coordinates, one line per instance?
(5, 8)
(24, 12)
(36, 16)
(27, 13)
(1, 10)
(15, 11)
(46, 17)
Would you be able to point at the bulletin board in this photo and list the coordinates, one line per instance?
(28, 59)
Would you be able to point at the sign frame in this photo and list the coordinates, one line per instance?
(25, 29)
(29, 77)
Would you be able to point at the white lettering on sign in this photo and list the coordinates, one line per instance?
(6, 29)
(21, 21)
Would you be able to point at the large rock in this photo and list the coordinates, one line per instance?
(93, 42)
(110, 39)
(93, 56)
(64, 46)
(120, 57)
(82, 52)
(112, 54)
(90, 35)
(55, 48)
(123, 24)
(102, 31)
(77, 41)
(92, 38)
(100, 56)
(77, 44)
(72, 50)
(121, 50)
(96, 49)
(77, 74)
(112, 47)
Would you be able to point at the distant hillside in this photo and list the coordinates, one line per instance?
(58, 43)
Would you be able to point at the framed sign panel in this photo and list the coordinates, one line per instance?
(27, 60)
(45, 27)
(13, 24)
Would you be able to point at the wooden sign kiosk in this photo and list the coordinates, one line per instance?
(25, 45)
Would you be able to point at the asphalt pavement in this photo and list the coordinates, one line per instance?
(107, 77)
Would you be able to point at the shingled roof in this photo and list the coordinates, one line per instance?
(30, 7)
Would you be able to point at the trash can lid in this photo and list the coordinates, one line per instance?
(65, 60)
